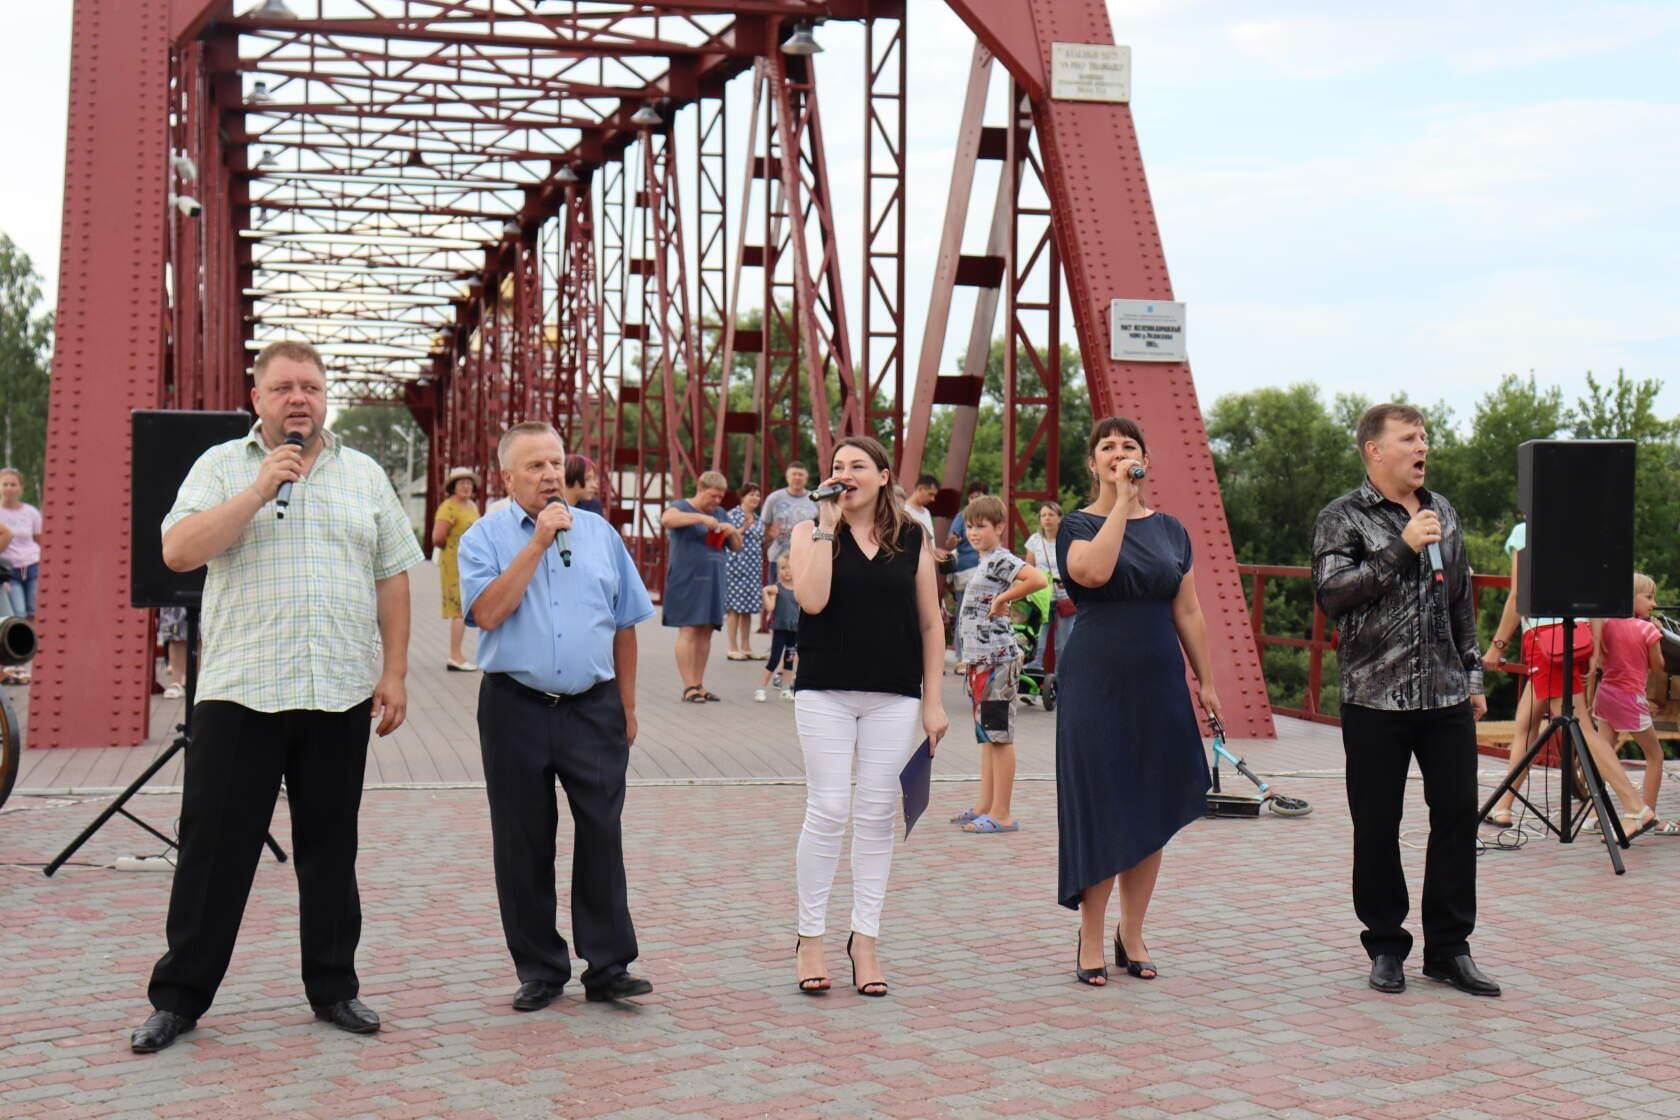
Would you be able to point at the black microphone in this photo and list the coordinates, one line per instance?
(560, 539)
(829, 493)
(1438, 574)
(1136, 472)
(283, 497)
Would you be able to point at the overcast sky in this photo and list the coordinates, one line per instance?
(1420, 196)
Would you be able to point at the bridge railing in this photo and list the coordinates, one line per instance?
(1319, 640)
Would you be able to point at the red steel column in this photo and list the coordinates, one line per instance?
(1111, 246)
(92, 677)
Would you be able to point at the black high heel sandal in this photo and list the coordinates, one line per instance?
(1133, 968)
(874, 987)
(1088, 975)
(809, 985)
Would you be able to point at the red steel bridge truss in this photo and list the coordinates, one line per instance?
(496, 210)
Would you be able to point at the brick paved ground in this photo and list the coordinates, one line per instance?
(1261, 1010)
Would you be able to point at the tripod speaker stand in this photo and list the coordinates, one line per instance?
(1565, 730)
(182, 741)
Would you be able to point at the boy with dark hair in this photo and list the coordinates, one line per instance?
(994, 659)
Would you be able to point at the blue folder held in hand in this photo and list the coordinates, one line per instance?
(916, 779)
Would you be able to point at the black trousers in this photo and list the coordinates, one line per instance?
(234, 766)
(1380, 746)
(528, 741)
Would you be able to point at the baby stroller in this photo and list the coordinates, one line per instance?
(1029, 618)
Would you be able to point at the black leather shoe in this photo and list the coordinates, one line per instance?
(159, 1032)
(534, 995)
(1461, 972)
(1386, 974)
(349, 1015)
(622, 986)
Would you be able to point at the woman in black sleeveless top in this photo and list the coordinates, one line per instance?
(870, 637)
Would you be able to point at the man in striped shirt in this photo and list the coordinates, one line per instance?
(305, 640)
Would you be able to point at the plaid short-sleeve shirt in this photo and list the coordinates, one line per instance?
(290, 613)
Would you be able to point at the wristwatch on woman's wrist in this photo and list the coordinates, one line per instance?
(1499, 643)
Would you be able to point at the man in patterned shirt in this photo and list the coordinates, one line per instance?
(1389, 567)
(297, 613)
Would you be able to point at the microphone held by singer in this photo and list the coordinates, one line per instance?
(829, 493)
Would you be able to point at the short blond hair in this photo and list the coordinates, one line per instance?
(710, 480)
(294, 350)
(1641, 581)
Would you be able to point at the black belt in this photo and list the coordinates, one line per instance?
(549, 699)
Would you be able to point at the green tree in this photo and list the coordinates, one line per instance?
(25, 346)
(1280, 456)
(1480, 476)
(389, 434)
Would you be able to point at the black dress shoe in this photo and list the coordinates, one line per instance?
(1461, 972)
(534, 995)
(159, 1031)
(622, 986)
(349, 1015)
(1386, 974)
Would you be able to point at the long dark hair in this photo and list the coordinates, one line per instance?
(889, 511)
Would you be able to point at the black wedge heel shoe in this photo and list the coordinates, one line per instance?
(809, 985)
(1088, 975)
(1133, 968)
(874, 987)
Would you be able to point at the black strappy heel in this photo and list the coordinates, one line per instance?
(1133, 968)
(809, 985)
(874, 987)
(1088, 975)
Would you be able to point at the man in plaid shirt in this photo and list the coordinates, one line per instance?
(305, 641)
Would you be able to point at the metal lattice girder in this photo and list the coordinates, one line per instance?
(886, 116)
(1111, 248)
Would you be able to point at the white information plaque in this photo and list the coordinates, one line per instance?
(1090, 72)
(1146, 330)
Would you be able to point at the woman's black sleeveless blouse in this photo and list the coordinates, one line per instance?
(868, 638)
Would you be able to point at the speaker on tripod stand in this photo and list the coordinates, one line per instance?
(166, 443)
(1577, 497)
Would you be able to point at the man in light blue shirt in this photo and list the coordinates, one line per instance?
(557, 598)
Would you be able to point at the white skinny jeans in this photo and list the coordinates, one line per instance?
(879, 730)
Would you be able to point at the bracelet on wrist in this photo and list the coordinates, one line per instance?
(822, 535)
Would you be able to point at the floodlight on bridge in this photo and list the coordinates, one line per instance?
(268, 160)
(259, 95)
(274, 9)
(647, 117)
(565, 176)
(415, 159)
(802, 42)
(184, 166)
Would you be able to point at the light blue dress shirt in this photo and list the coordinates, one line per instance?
(559, 639)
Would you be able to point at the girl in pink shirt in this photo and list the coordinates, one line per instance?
(1630, 650)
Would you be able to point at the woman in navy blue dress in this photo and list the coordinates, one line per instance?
(1130, 766)
(694, 578)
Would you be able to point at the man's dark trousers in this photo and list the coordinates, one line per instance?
(234, 766)
(1380, 746)
(528, 741)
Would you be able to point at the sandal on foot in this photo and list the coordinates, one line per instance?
(1641, 829)
(732, 655)
(1133, 968)
(869, 988)
(964, 817)
(693, 694)
(809, 985)
(1497, 822)
(1669, 828)
(711, 696)
(985, 822)
(1095, 977)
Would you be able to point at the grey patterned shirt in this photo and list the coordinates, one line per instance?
(1406, 643)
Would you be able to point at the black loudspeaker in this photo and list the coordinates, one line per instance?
(1577, 496)
(166, 445)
